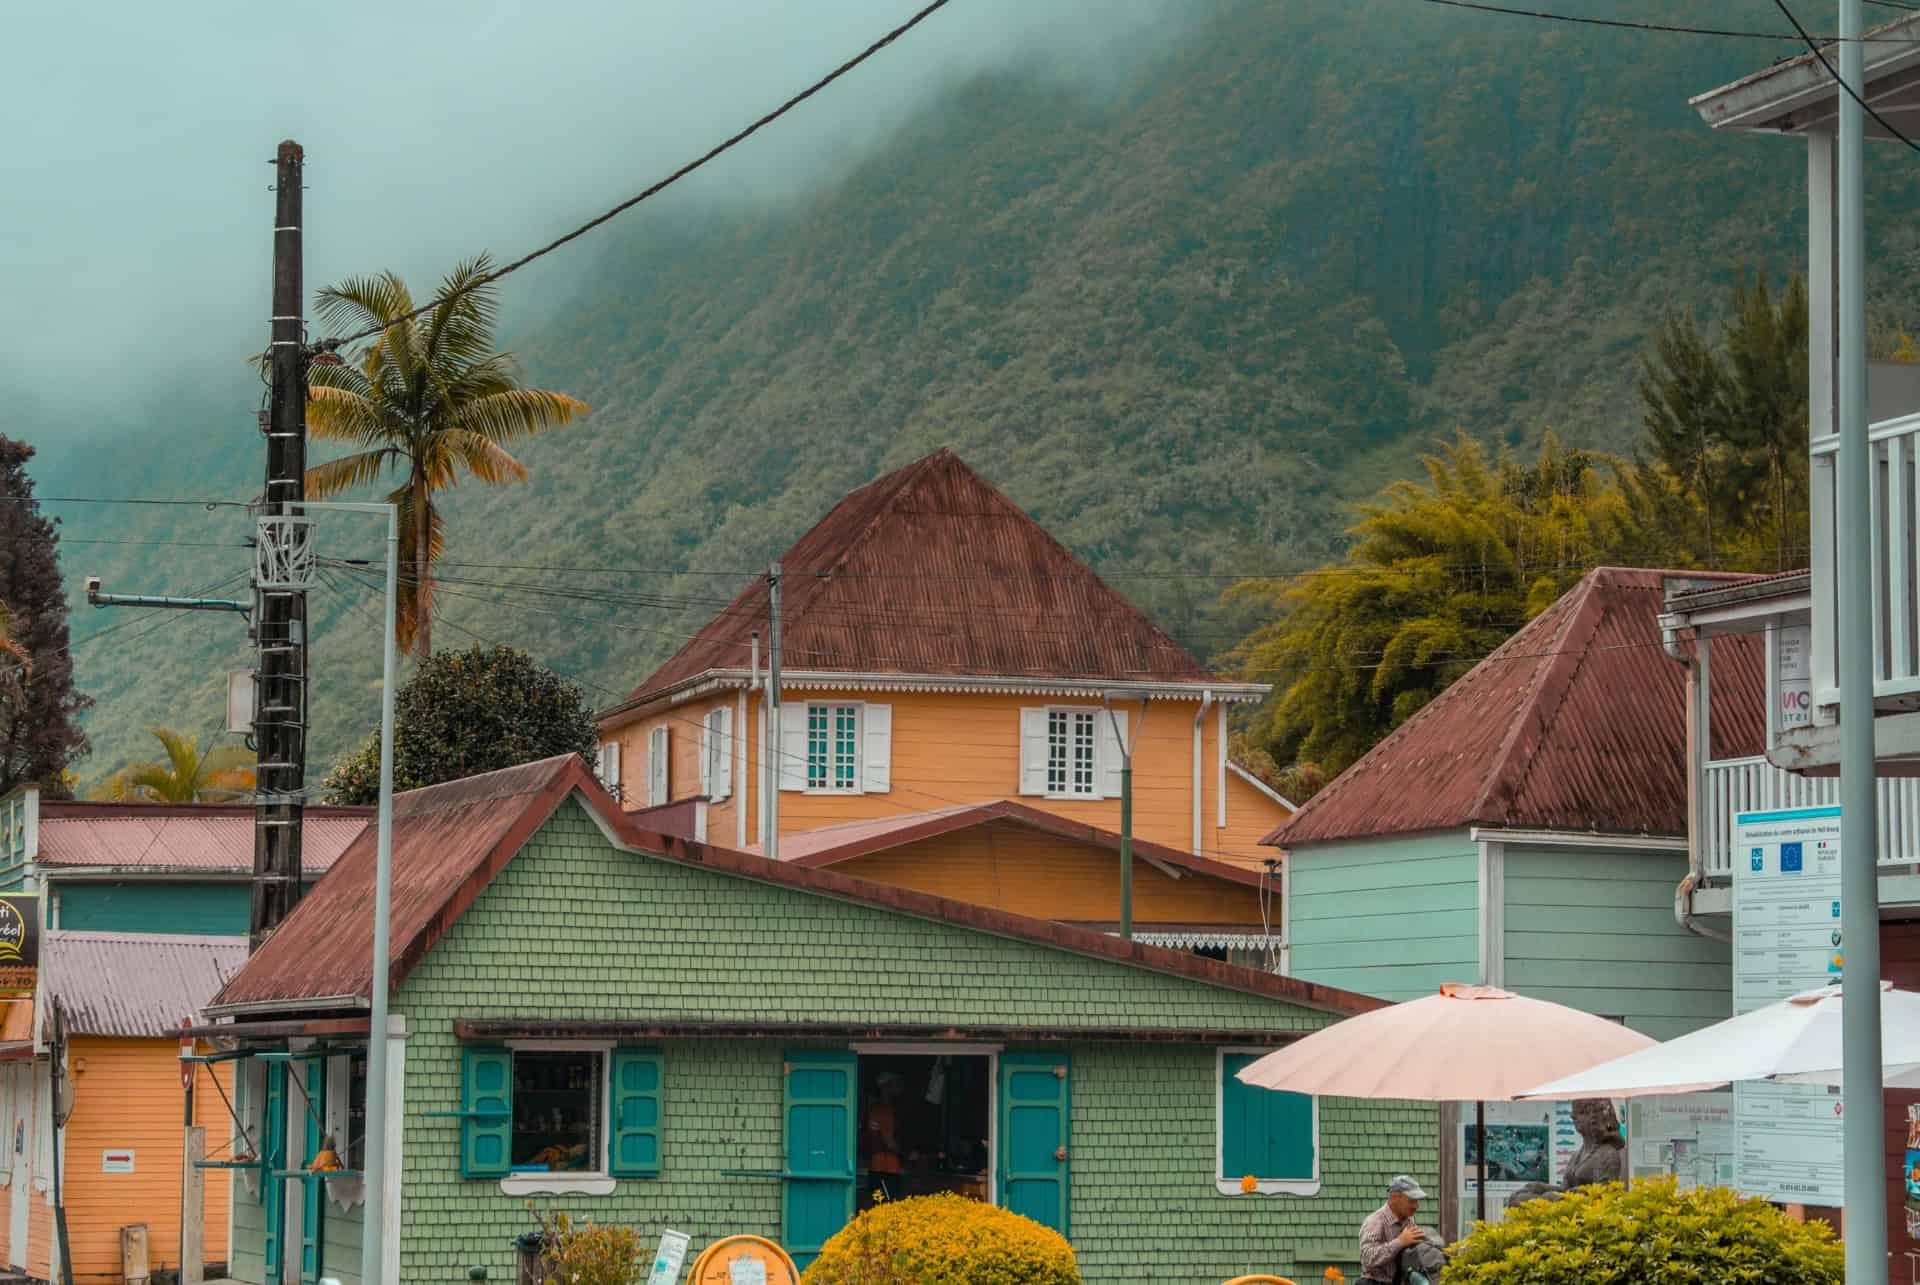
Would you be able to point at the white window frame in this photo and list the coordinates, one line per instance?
(859, 747)
(338, 1118)
(608, 766)
(1095, 793)
(1230, 1186)
(716, 753)
(599, 1182)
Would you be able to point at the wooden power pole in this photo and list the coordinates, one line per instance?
(280, 627)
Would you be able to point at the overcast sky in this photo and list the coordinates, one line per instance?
(134, 210)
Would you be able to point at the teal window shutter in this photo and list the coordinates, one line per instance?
(817, 1196)
(314, 1203)
(1267, 1134)
(486, 1104)
(635, 1112)
(273, 1158)
(1035, 1105)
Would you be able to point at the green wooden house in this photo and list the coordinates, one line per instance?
(1528, 827)
(649, 1030)
(179, 868)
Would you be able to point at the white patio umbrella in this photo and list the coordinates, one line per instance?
(1796, 1040)
(1466, 1044)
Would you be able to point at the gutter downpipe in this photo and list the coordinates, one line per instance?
(743, 735)
(1199, 735)
(1699, 696)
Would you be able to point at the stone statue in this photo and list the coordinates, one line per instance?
(1602, 1156)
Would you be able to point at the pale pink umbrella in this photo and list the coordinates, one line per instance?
(1474, 1044)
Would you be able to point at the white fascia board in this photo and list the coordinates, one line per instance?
(1763, 99)
(1262, 786)
(1577, 839)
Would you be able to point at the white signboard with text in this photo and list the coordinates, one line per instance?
(1688, 1136)
(1786, 939)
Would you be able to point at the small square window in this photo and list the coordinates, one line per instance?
(556, 1112)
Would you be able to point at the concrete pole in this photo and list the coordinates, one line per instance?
(374, 1178)
(1864, 1121)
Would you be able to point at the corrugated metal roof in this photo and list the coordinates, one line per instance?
(136, 985)
(192, 836)
(1578, 722)
(450, 841)
(832, 844)
(930, 570)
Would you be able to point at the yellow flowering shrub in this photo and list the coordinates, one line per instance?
(1651, 1231)
(943, 1240)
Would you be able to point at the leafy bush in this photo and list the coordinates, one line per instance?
(1651, 1231)
(587, 1253)
(943, 1240)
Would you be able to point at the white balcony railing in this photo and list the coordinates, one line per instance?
(1734, 786)
(1895, 571)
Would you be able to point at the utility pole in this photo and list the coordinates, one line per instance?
(1863, 1121)
(281, 622)
(774, 743)
(1125, 741)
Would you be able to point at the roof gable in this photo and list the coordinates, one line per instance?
(1576, 723)
(931, 570)
(451, 841)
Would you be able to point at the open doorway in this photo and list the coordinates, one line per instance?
(925, 1125)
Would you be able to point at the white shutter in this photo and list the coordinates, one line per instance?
(657, 782)
(706, 755)
(876, 749)
(1112, 743)
(793, 747)
(723, 757)
(610, 765)
(1033, 751)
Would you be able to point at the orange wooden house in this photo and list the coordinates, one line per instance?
(941, 651)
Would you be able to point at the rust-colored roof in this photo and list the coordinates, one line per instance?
(931, 570)
(833, 844)
(135, 985)
(1578, 723)
(450, 841)
(182, 836)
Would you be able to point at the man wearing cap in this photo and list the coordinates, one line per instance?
(1390, 1229)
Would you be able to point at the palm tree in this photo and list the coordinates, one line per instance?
(428, 398)
(185, 776)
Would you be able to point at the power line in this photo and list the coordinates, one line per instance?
(1838, 79)
(1662, 27)
(730, 143)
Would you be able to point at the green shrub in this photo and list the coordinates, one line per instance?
(587, 1253)
(943, 1240)
(1651, 1231)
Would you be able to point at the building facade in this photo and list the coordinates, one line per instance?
(647, 1030)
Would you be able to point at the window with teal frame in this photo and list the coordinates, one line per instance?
(1271, 1137)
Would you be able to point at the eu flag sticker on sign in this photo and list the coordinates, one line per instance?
(1757, 862)
(1791, 861)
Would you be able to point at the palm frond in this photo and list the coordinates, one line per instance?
(518, 413)
(336, 415)
(486, 460)
(347, 472)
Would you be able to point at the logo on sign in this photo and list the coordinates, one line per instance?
(1757, 860)
(1792, 859)
(1836, 910)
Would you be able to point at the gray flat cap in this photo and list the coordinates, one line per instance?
(1405, 1186)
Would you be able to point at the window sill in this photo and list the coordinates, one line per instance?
(557, 1184)
(1274, 1187)
(819, 792)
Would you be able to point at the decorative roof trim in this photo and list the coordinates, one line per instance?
(713, 680)
(1223, 939)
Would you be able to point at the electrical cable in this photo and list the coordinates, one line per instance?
(1820, 54)
(1662, 27)
(730, 143)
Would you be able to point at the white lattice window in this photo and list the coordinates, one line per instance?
(833, 748)
(1072, 753)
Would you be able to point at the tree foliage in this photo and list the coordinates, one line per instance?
(467, 712)
(1651, 1231)
(40, 736)
(186, 774)
(429, 399)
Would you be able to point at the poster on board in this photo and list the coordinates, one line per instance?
(1786, 939)
(1526, 1142)
(1687, 1136)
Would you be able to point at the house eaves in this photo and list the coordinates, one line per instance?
(1798, 95)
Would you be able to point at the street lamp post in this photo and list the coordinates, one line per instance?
(374, 1175)
(1125, 740)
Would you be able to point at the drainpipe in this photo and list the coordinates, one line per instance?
(1206, 703)
(1699, 695)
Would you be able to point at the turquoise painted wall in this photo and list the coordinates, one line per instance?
(573, 928)
(1594, 929)
(1392, 917)
(206, 909)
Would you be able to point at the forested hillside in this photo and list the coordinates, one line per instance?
(1185, 310)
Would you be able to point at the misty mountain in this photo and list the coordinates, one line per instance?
(1185, 312)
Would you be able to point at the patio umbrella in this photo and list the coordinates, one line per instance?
(1474, 1044)
(1795, 1040)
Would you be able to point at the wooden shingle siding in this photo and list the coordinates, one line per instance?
(1594, 929)
(1390, 917)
